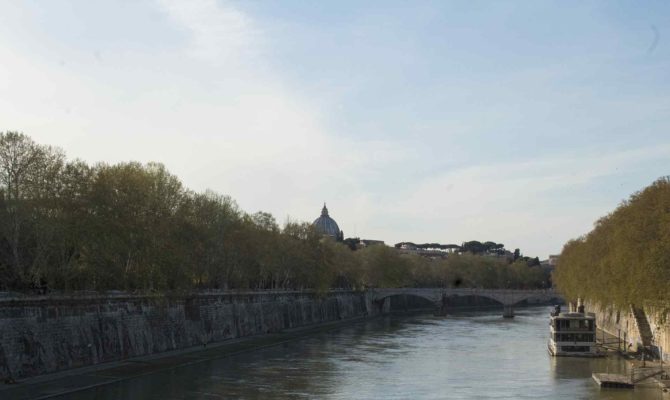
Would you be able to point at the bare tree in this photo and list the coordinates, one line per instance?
(27, 176)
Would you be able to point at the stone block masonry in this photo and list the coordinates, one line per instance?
(650, 328)
(40, 335)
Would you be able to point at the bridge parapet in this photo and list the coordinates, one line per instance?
(506, 297)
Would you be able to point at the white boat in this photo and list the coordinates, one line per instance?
(572, 334)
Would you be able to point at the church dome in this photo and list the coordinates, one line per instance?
(326, 225)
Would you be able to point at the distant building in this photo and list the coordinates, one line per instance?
(411, 248)
(550, 262)
(327, 226)
(508, 255)
(370, 242)
(408, 246)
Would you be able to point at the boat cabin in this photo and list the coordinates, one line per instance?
(573, 334)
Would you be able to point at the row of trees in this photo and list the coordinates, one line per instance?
(428, 246)
(625, 259)
(473, 247)
(67, 225)
(477, 247)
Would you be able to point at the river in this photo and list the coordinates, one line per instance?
(462, 356)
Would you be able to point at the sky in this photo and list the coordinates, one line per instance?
(427, 121)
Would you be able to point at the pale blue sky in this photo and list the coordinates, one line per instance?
(516, 122)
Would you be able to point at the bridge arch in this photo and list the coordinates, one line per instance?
(440, 301)
(534, 299)
(404, 302)
(425, 296)
(442, 297)
(472, 300)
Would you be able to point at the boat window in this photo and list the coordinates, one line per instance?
(574, 337)
(574, 349)
(574, 325)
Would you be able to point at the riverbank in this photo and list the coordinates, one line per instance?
(637, 328)
(83, 378)
(42, 335)
(73, 380)
(418, 357)
(616, 347)
(78, 379)
(46, 334)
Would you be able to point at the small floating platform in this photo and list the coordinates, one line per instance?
(613, 381)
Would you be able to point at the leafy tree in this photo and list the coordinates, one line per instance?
(29, 188)
(625, 259)
(132, 226)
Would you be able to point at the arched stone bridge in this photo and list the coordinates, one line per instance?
(439, 296)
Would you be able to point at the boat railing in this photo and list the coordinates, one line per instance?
(574, 329)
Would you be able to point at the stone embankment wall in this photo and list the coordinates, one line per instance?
(617, 323)
(660, 329)
(45, 334)
(622, 323)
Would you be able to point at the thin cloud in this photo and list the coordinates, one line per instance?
(486, 185)
(200, 89)
(516, 203)
(220, 33)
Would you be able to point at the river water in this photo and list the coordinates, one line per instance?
(464, 356)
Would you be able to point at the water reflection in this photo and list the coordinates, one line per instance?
(475, 355)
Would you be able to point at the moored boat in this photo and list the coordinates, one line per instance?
(572, 334)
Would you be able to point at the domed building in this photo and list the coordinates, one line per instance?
(327, 226)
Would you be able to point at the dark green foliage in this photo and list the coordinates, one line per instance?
(428, 246)
(476, 247)
(131, 226)
(625, 259)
